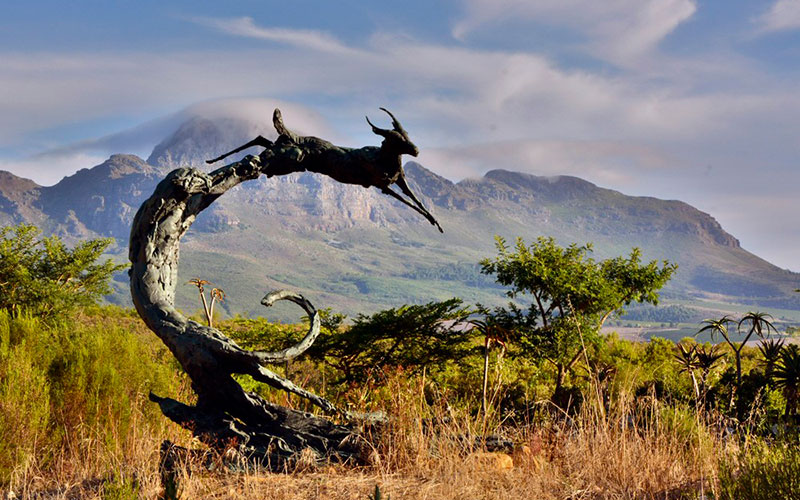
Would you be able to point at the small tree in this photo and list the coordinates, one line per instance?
(572, 294)
(411, 336)
(495, 332)
(217, 294)
(770, 354)
(45, 277)
(707, 359)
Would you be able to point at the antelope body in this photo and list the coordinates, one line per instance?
(368, 166)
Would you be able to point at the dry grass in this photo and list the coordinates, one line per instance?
(423, 455)
(637, 451)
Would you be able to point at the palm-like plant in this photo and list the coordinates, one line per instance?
(770, 354)
(787, 376)
(687, 359)
(706, 359)
(759, 325)
(217, 295)
(493, 334)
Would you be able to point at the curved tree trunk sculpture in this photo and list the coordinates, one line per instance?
(225, 414)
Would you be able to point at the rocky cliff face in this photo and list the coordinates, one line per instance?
(102, 199)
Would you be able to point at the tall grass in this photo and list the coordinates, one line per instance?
(75, 421)
(762, 472)
(73, 401)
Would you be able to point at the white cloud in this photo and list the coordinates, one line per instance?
(620, 31)
(783, 15)
(245, 27)
(247, 117)
(650, 129)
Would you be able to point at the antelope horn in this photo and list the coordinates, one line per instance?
(395, 122)
(380, 131)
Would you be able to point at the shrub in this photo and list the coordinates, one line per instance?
(74, 381)
(46, 278)
(764, 471)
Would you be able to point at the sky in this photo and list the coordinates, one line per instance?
(677, 99)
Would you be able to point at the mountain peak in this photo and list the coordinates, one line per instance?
(12, 185)
(557, 187)
(188, 144)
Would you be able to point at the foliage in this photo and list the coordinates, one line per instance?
(787, 376)
(770, 354)
(412, 336)
(673, 313)
(764, 472)
(760, 325)
(572, 294)
(44, 277)
(59, 381)
(661, 430)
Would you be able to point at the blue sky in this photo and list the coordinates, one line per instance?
(677, 99)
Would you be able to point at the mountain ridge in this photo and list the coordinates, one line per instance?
(358, 250)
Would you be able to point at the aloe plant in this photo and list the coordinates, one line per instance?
(759, 324)
(770, 354)
(687, 359)
(787, 376)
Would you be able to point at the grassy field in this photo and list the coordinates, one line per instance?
(75, 422)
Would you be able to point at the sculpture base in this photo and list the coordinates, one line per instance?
(277, 443)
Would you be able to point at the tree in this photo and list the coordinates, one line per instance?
(707, 359)
(759, 324)
(572, 294)
(411, 336)
(45, 277)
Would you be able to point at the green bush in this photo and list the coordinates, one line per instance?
(24, 394)
(76, 382)
(44, 277)
(762, 471)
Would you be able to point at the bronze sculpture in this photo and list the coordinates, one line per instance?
(368, 166)
(225, 414)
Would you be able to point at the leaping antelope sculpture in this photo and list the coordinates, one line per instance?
(368, 166)
(226, 415)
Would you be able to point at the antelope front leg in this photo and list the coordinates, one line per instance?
(419, 210)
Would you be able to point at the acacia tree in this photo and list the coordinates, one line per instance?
(412, 336)
(572, 294)
(45, 277)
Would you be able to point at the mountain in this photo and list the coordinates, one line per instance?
(356, 250)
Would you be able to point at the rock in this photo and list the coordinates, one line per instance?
(490, 460)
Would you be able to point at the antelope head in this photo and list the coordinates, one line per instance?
(395, 140)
